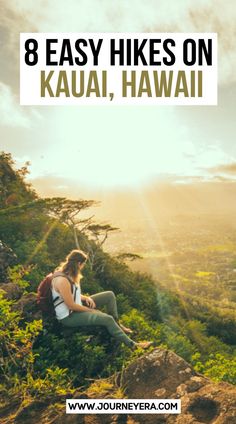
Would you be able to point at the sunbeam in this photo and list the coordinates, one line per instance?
(152, 223)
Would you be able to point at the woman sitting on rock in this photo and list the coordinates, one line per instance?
(76, 310)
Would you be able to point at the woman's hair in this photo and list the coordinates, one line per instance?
(71, 264)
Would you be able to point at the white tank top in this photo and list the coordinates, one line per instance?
(61, 309)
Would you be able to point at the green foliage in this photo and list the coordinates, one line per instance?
(218, 367)
(89, 283)
(13, 189)
(30, 251)
(169, 304)
(86, 354)
(56, 382)
(188, 338)
(123, 304)
(180, 345)
(34, 277)
(138, 288)
(105, 388)
(17, 274)
(218, 323)
(17, 357)
(143, 328)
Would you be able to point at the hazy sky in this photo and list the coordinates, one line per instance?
(110, 147)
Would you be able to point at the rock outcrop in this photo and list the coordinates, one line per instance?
(28, 307)
(25, 303)
(162, 374)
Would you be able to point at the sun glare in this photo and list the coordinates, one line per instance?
(115, 148)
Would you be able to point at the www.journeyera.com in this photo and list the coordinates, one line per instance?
(137, 406)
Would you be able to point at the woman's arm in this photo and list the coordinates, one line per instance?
(63, 287)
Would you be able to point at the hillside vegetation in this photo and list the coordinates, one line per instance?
(37, 361)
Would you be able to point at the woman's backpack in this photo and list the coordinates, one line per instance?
(45, 300)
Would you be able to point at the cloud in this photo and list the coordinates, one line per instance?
(133, 16)
(229, 169)
(12, 22)
(106, 16)
(219, 16)
(11, 114)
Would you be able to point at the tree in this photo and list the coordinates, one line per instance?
(64, 210)
(97, 234)
(67, 212)
(128, 257)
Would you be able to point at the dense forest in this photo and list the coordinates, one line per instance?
(40, 360)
